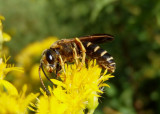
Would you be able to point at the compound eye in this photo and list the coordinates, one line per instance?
(49, 57)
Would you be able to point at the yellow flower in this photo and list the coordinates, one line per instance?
(4, 69)
(78, 90)
(15, 104)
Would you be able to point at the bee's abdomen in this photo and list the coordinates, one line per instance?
(103, 58)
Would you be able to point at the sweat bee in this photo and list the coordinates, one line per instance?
(69, 50)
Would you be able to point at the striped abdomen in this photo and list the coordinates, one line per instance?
(103, 58)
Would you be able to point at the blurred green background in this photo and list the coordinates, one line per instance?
(136, 48)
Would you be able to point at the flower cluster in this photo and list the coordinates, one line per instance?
(15, 104)
(78, 89)
(9, 96)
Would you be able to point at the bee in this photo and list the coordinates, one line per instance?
(70, 50)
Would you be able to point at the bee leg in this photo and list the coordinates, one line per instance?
(82, 49)
(75, 56)
(58, 68)
(62, 65)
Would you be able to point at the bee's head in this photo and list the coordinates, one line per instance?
(49, 60)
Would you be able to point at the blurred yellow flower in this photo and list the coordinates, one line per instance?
(15, 104)
(34, 50)
(34, 74)
(78, 90)
(1, 18)
(4, 37)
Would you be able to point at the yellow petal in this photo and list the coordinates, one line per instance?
(59, 83)
(43, 92)
(104, 84)
(8, 87)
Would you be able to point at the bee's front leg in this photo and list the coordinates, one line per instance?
(62, 65)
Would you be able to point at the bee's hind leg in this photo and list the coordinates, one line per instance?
(82, 49)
